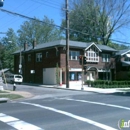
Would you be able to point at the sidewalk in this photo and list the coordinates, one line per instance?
(73, 87)
(87, 89)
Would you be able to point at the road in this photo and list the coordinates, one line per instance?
(56, 109)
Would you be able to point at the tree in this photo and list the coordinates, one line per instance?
(97, 19)
(9, 45)
(118, 46)
(42, 31)
(1, 54)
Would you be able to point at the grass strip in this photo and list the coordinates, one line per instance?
(11, 96)
(3, 91)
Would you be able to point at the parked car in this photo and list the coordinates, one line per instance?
(16, 78)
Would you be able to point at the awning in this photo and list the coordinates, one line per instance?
(125, 63)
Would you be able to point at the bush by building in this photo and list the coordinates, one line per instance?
(108, 84)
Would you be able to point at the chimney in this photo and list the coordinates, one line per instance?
(34, 43)
(25, 46)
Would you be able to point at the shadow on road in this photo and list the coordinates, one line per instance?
(120, 94)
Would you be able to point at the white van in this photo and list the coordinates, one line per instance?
(16, 78)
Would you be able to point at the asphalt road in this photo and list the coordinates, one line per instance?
(65, 110)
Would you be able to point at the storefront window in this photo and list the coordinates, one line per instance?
(72, 76)
(75, 76)
(79, 76)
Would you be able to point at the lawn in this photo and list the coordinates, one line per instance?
(3, 92)
(10, 96)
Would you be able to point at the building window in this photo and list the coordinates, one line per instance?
(105, 57)
(73, 55)
(38, 57)
(29, 57)
(75, 76)
(92, 54)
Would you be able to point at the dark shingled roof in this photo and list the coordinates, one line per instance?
(105, 48)
(122, 52)
(74, 44)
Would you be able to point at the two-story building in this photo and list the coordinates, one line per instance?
(39, 63)
(122, 60)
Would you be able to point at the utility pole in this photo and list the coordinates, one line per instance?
(67, 45)
(20, 62)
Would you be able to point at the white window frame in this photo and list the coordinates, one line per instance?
(38, 57)
(105, 57)
(73, 55)
(92, 54)
(127, 58)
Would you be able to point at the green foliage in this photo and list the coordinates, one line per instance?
(42, 31)
(97, 19)
(87, 17)
(117, 46)
(9, 45)
(109, 84)
(11, 96)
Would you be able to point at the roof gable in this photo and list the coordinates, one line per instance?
(91, 44)
(123, 52)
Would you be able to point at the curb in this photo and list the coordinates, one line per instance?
(56, 87)
(81, 90)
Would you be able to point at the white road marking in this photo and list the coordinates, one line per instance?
(16, 123)
(98, 103)
(105, 127)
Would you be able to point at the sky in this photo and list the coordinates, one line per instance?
(31, 8)
(39, 9)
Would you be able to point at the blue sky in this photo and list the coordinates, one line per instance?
(31, 8)
(39, 9)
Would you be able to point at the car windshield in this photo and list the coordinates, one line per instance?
(18, 76)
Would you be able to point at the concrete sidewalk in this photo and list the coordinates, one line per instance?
(88, 89)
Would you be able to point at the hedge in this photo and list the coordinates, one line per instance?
(108, 84)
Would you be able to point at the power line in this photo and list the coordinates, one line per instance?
(23, 16)
(51, 2)
(12, 20)
(15, 8)
(120, 41)
(48, 4)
